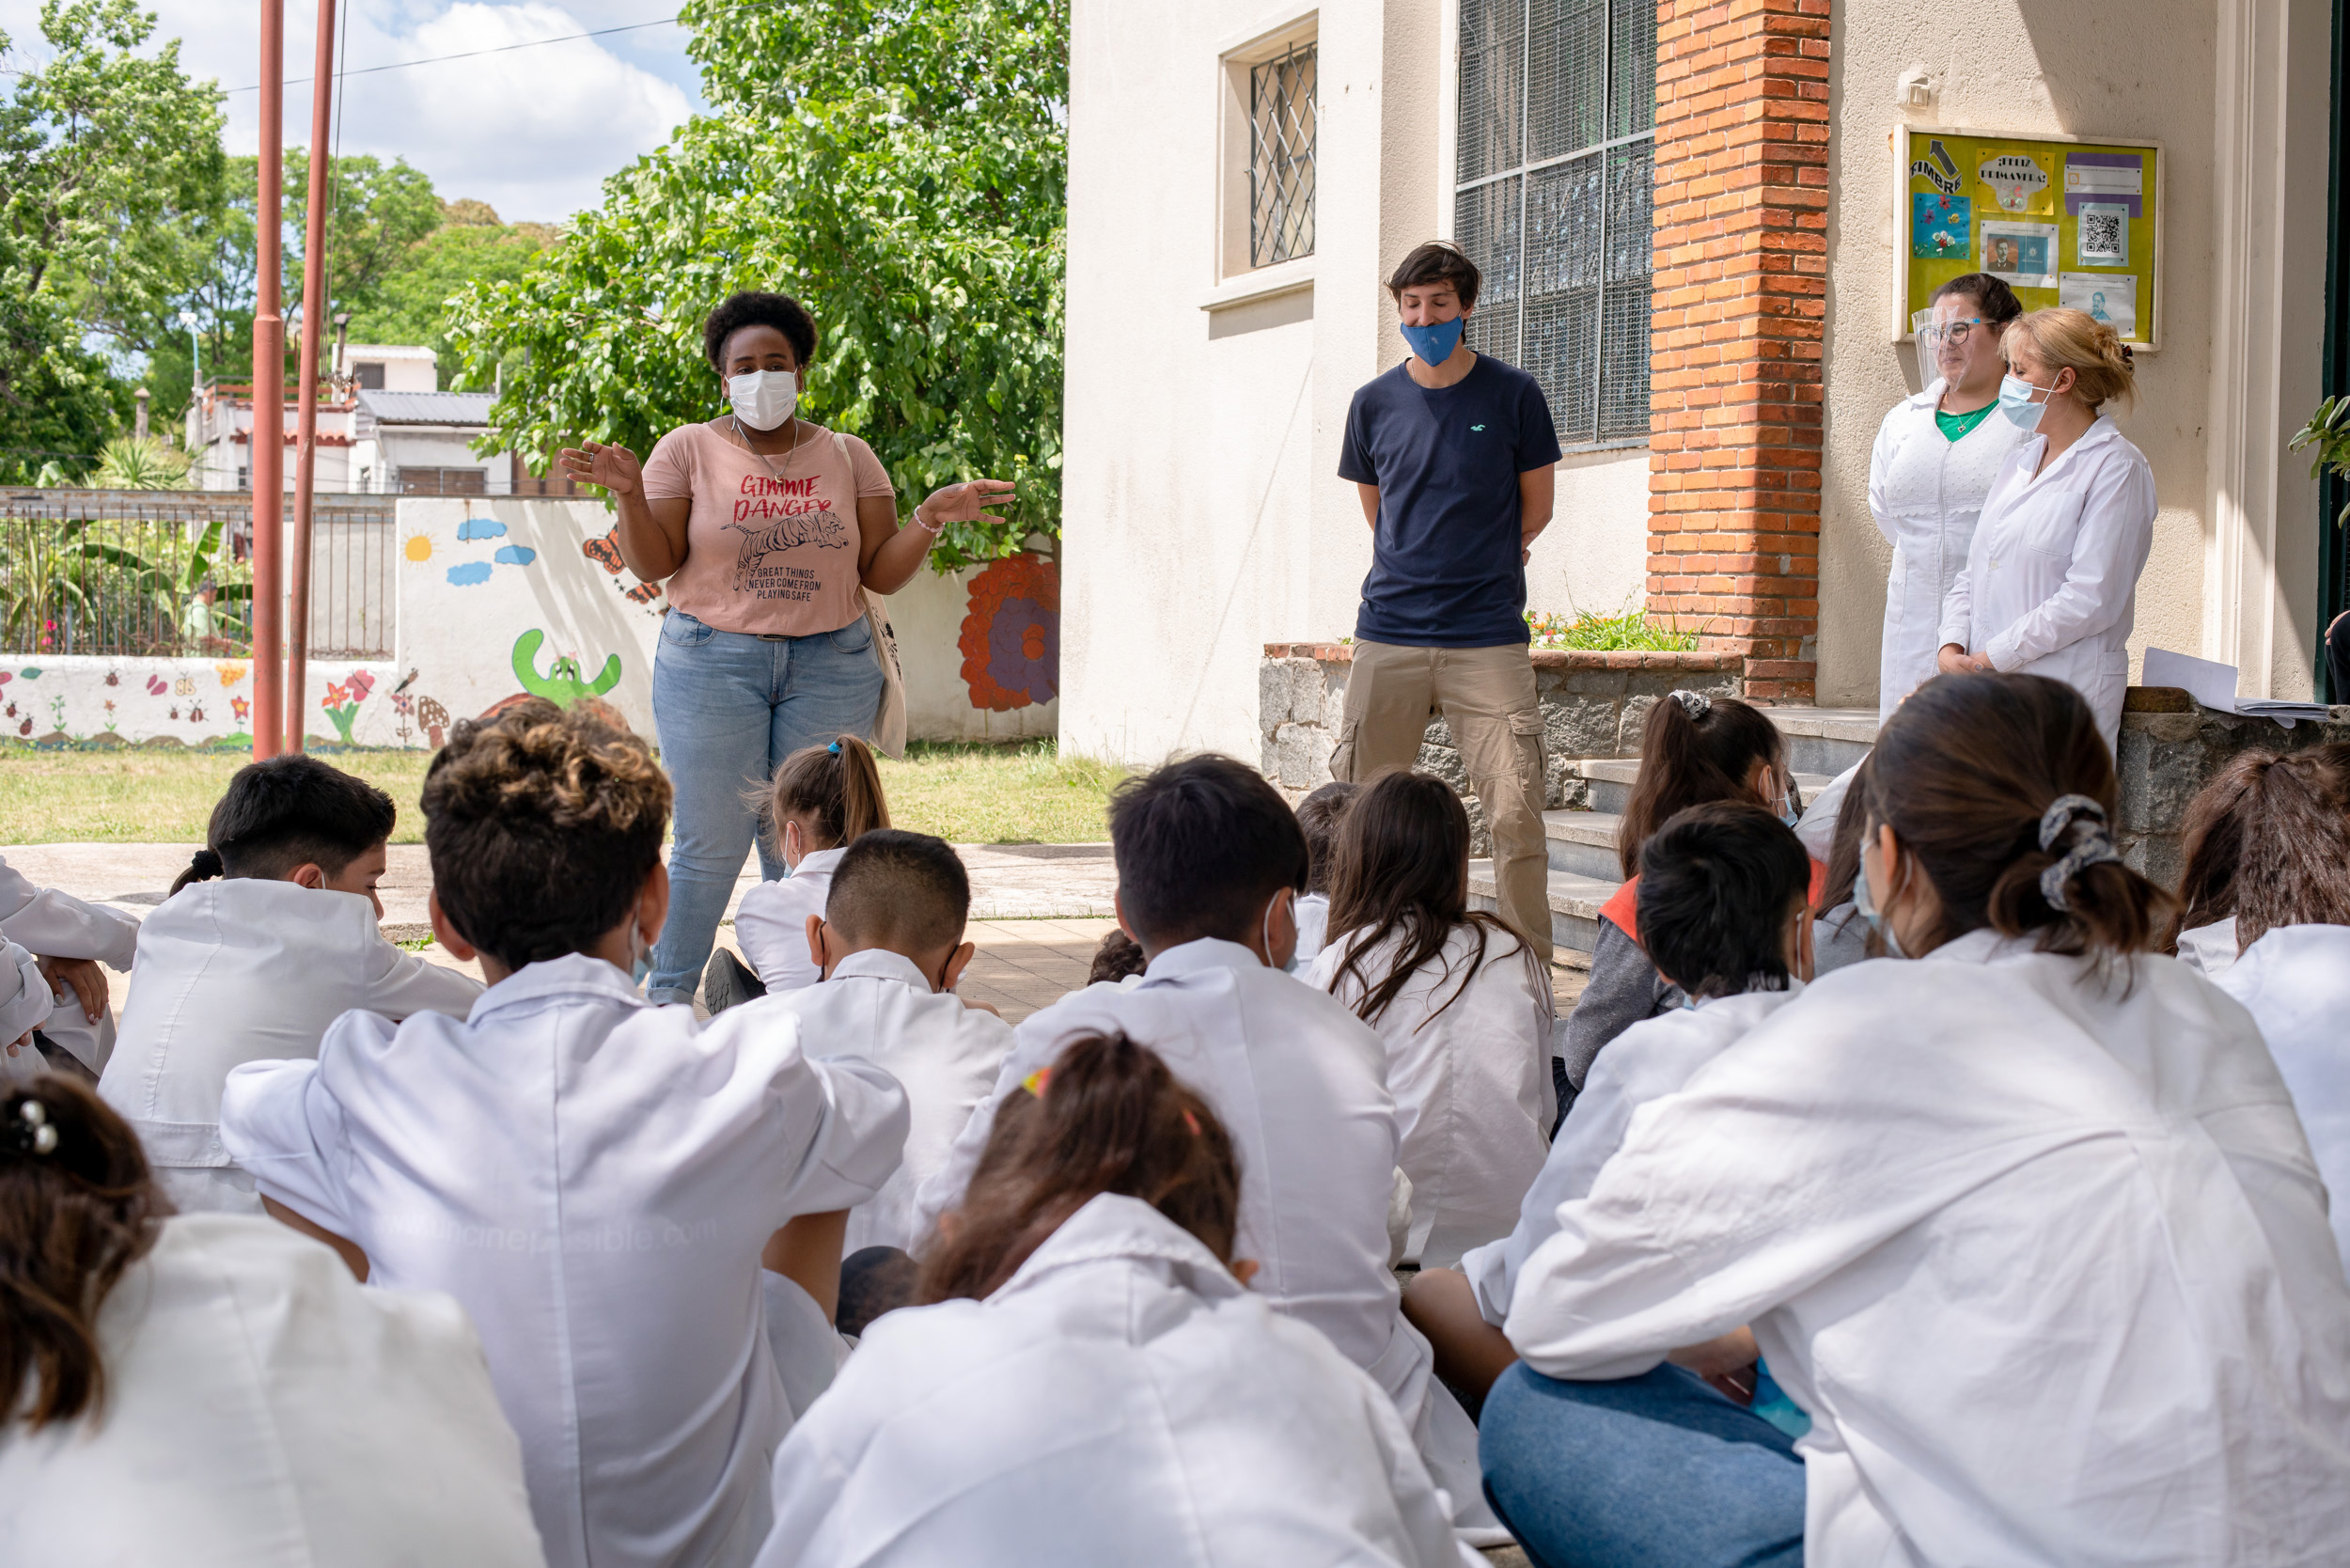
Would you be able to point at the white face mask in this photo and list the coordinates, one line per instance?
(763, 399)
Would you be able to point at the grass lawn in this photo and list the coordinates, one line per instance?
(964, 793)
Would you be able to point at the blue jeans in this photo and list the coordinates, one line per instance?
(1642, 1470)
(729, 707)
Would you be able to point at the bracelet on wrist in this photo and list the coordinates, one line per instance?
(929, 528)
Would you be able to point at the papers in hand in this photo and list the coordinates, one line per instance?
(2213, 685)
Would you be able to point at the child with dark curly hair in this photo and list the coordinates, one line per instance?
(593, 1176)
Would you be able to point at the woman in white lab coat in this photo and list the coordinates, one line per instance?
(1095, 1383)
(2268, 845)
(1934, 462)
(2050, 586)
(213, 1389)
(1463, 1007)
(2026, 1224)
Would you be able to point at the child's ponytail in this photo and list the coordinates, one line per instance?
(203, 866)
(1106, 1117)
(1696, 749)
(835, 789)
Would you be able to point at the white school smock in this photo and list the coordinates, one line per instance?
(2295, 983)
(592, 1176)
(2045, 1261)
(879, 1006)
(1468, 1062)
(264, 1409)
(1121, 1400)
(248, 969)
(770, 922)
(26, 1004)
(1312, 914)
(2211, 948)
(1649, 1060)
(52, 924)
(1300, 1084)
(2050, 586)
(1926, 491)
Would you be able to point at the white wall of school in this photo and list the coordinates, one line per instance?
(2232, 572)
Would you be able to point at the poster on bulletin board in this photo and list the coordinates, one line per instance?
(2061, 222)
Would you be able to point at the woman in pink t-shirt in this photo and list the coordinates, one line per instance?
(767, 528)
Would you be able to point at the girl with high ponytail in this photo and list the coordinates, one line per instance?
(823, 799)
(2050, 586)
(1694, 749)
(216, 1389)
(2024, 1217)
(1087, 1336)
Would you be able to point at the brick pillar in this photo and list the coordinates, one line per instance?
(1741, 285)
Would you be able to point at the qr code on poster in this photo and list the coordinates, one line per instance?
(2100, 233)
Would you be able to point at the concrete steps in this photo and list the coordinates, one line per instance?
(1609, 781)
(1825, 741)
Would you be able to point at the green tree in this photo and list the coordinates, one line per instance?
(110, 166)
(376, 213)
(898, 164)
(471, 245)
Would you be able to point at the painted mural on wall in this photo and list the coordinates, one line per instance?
(1010, 638)
(101, 702)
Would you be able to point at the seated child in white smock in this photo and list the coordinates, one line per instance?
(215, 1390)
(1318, 817)
(1461, 1004)
(594, 1176)
(824, 798)
(890, 947)
(1724, 913)
(268, 937)
(72, 937)
(1209, 858)
(1095, 1383)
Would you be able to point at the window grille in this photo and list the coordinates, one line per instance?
(1552, 200)
(1281, 157)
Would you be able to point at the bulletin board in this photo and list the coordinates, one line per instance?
(2060, 221)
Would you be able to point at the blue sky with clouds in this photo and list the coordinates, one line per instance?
(532, 131)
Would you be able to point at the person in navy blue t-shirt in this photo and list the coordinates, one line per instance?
(1454, 452)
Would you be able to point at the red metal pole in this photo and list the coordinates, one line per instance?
(307, 421)
(269, 394)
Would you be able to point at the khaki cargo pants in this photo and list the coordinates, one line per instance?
(1487, 697)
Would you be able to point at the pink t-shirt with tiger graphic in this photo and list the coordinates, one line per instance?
(771, 548)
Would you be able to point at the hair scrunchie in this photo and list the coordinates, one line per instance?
(206, 863)
(1696, 704)
(2092, 846)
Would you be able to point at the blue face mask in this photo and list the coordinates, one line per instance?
(2016, 405)
(1434, 344)
(1865, 902)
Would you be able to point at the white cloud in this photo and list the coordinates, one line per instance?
(533, 131)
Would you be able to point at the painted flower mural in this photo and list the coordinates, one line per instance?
(1010, 638)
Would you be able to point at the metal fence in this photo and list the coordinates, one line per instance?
(125, 573)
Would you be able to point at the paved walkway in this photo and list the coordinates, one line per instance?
(1038, 911)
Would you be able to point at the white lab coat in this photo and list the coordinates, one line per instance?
(879, 1006)
(1651, 1060)
(593, 1177)
(1926, 491)
(2044, 1260)
(52, 924)
(1121, 1400)
(2050, 586)
(248, 969)
(1468, 1062)
(26, 1004)
(2295, 983)
(770, 922)
(1300, 1084)
(264, 1410)
(2211, 948)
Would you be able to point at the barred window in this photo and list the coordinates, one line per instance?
(1552, 198)
(1281, 157)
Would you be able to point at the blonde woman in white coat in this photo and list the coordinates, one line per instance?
(1095, 1383)
(2050, 586)
(215, 1391)
(1932, 464)
(2026, 1225)
(1462, 1005)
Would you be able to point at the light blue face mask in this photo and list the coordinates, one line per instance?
(1434, 344)
(2016, 405)
(1865, 902)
